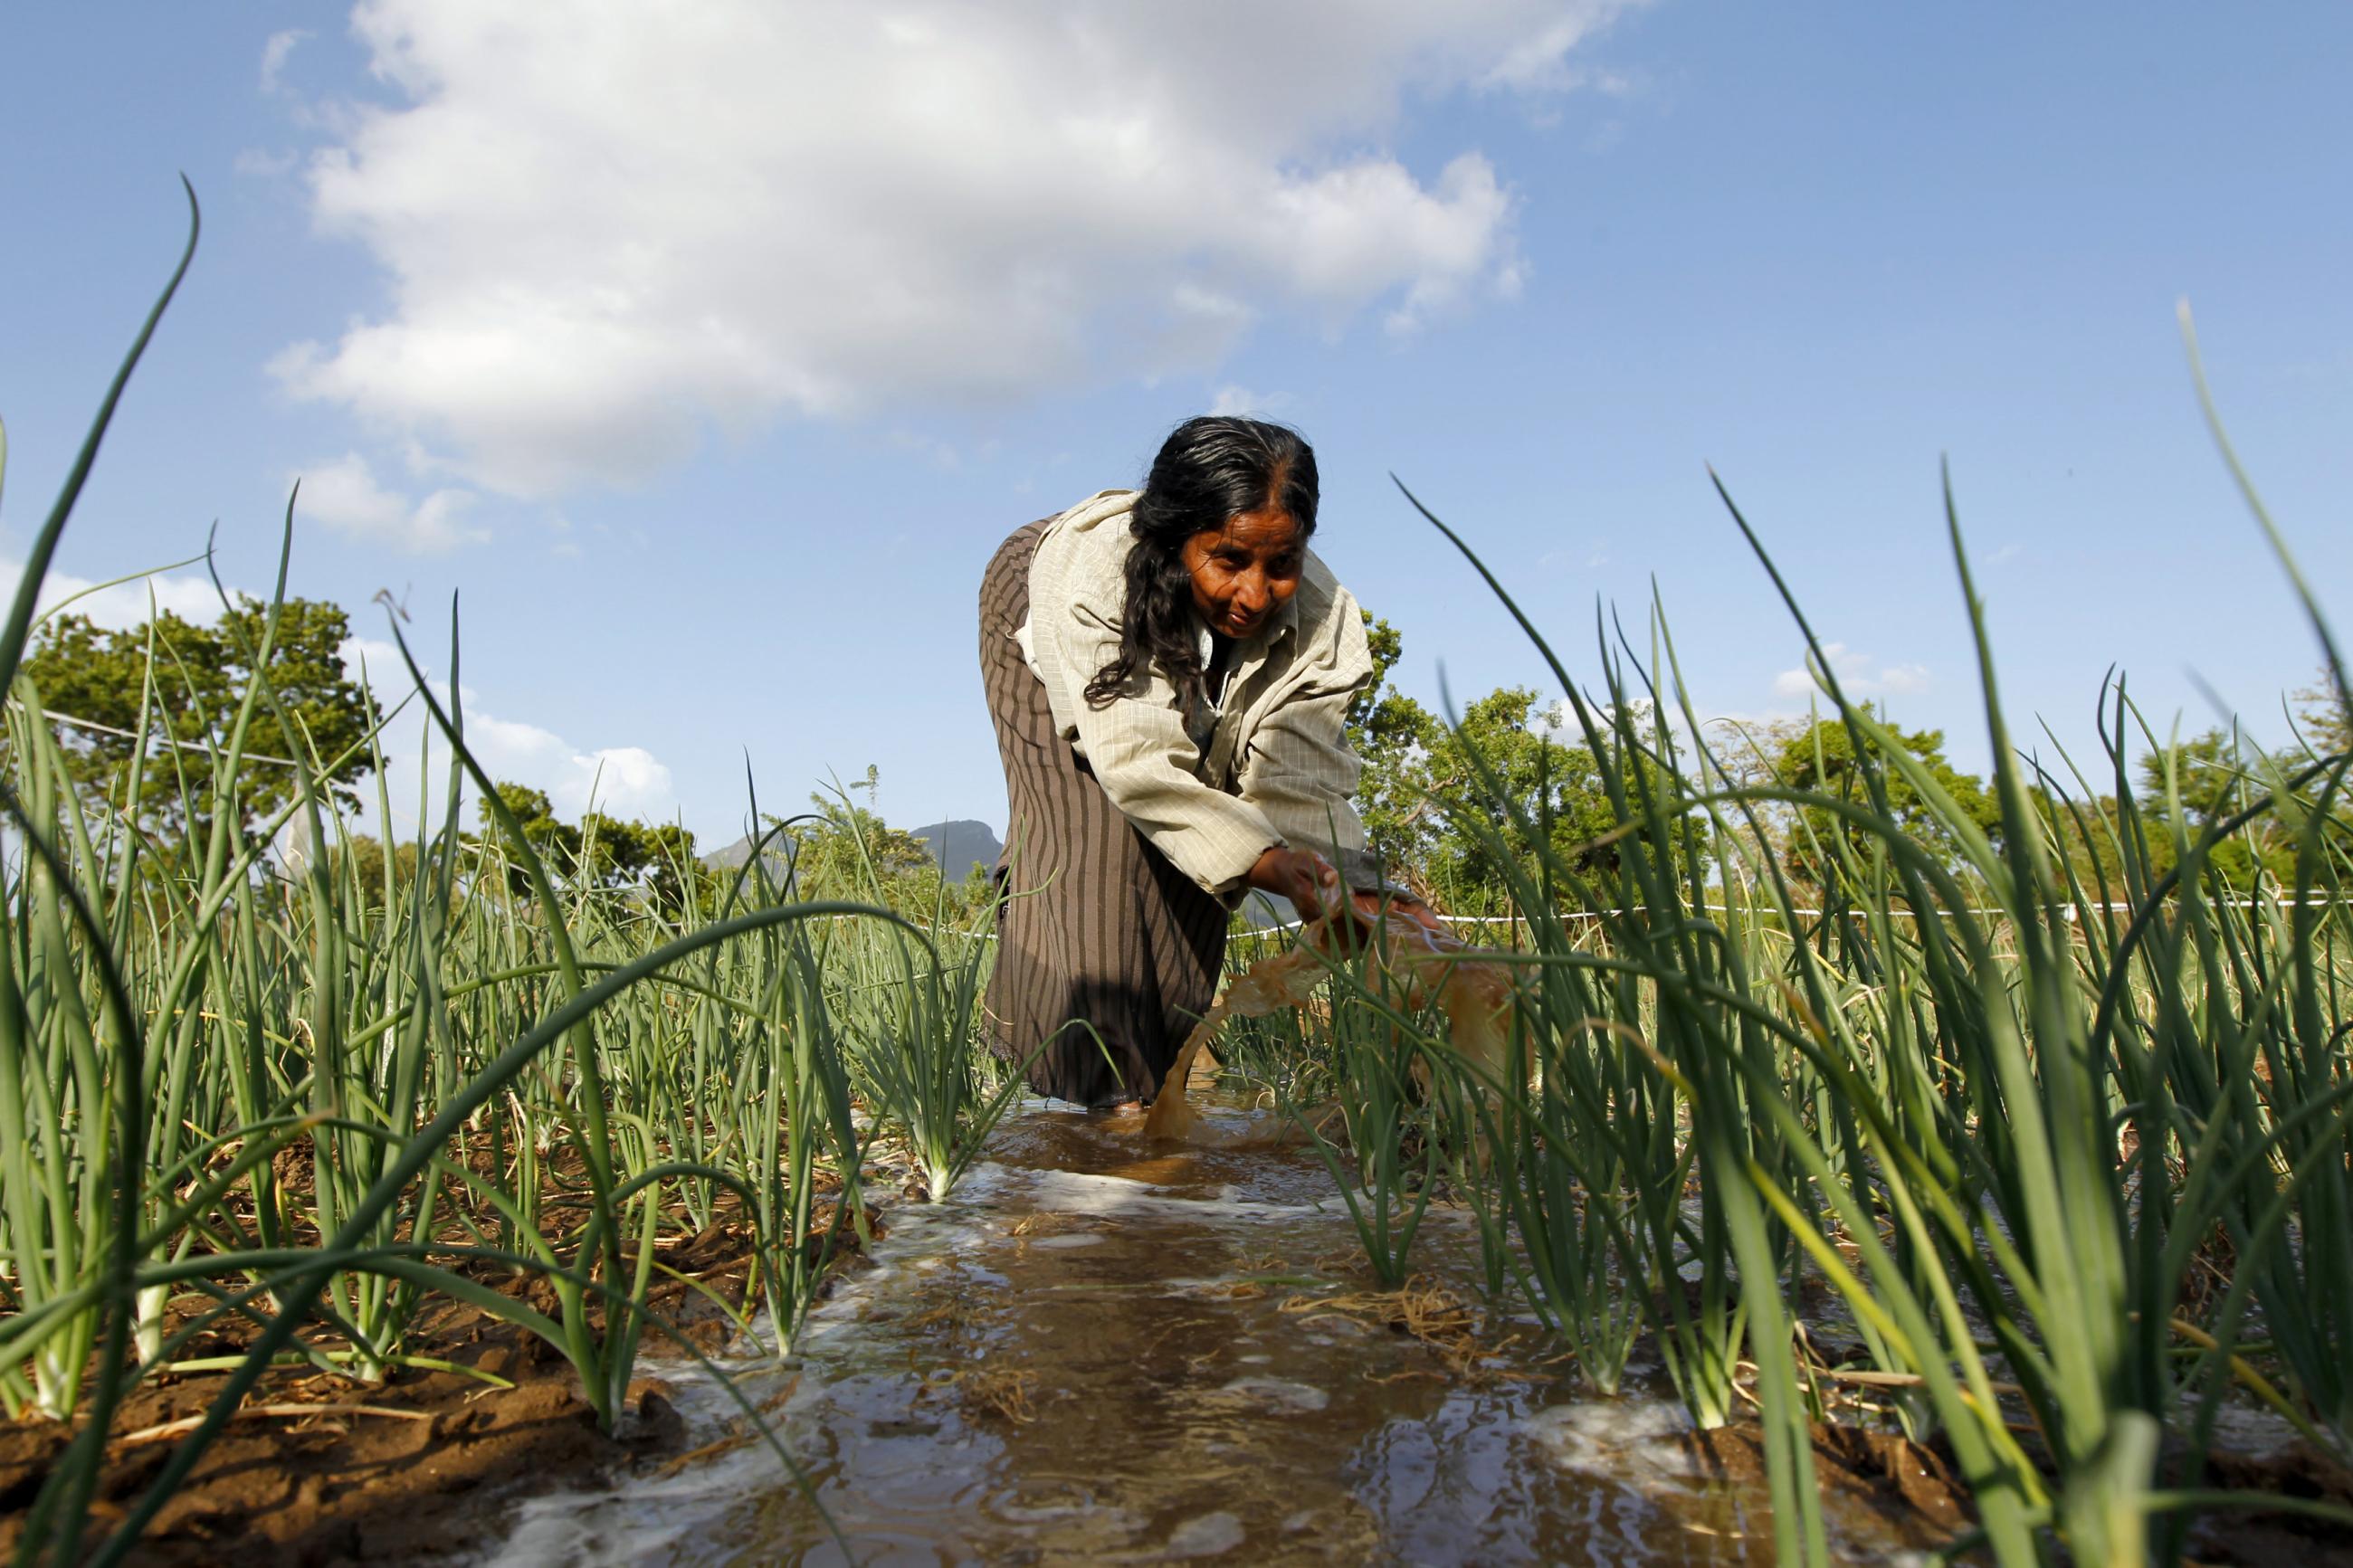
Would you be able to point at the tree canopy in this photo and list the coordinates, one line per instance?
(658, 859)
(2191, 784)
(1440, 801)
(1821, 758)
(2326, 718)
(849, 851)
(100, 677)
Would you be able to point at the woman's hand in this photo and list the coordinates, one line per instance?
(1311, 882)
(1371, 906)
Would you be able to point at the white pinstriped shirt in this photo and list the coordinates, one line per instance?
(1275, 767)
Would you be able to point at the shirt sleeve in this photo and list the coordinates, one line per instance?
(1299, 771)
(1146, 763)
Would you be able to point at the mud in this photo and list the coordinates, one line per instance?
(424, 1466)
(1106, 1351)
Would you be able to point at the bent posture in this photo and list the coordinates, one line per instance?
(1169, 670)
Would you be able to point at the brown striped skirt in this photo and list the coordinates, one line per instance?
(1106, 953)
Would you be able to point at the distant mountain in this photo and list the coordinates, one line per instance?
(736, 854)
(957, 847)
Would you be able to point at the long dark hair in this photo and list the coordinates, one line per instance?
(1209, 469)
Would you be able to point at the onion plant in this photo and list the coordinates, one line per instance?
(307, 1100)
(911, 1002)
(1386, 1156)
(1998, 1131)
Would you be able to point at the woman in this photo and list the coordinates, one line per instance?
(1169, 670)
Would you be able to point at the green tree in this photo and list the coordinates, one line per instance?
(553, 840)
(2079, 837)
(196, 677)
(1507, 749)
(1440, 802)
(1392, 736)
(366, 857)
(2193, 783)
(2326, 719)
(1821, 758)
(848, 851)
(656, 859)
(851, 853)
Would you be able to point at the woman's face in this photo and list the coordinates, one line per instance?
(1244, 572)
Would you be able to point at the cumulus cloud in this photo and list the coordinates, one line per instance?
(261, 163)
(1859, 674)
(620, 781)
(344, 494)
(187, 594)
(607, 227)
(274, 54)
(627, 781)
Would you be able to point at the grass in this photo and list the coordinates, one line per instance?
(911, 1000)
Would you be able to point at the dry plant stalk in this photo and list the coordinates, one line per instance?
(987, 1390)
(1430, 1312)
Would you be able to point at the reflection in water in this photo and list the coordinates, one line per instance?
(1086, 1357)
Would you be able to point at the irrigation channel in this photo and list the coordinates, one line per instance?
(1103, 1351)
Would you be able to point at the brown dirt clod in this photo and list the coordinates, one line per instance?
(327, 1469)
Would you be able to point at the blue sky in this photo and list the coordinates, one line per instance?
(709, 365)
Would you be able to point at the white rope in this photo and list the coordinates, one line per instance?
(2072, 913)
(92, 724)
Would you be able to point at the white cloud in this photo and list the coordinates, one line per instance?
(1232, 399)
(344, 494)
(375, 661)
(1590, 557)
(620, 781)
(627, 781)
(261, 163)
(274, 53)
(189, 595)
(1539, 62)
(608, 227)
(1858, 675)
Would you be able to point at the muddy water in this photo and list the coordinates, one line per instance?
(1098, 1353)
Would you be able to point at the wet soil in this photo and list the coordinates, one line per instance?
(1882, 1471)
(1103, 1351)
(425, 1466)
(2277, 1539)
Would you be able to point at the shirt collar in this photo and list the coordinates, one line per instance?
(1285, 620)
